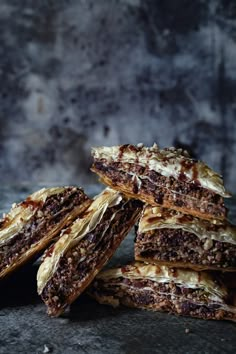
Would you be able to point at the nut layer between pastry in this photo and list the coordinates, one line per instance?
(169, 237)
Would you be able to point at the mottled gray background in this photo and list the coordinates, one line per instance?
(100, 72)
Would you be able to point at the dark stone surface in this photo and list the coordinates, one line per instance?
(79, 73)
(92, 328)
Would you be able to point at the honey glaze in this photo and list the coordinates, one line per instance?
(122, 149)
(133, 148)
(174, 272)
(67, 231)
(135, 187)
(33, 204)
(195, 172)
(48, 252)
(199, 275)
(84, 214)
(153, 219)
(128, 147)
(182, 177)
(124, 269)
(187, 166)
(4, 222)
(184, 218)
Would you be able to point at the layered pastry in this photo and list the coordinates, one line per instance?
(168, 177)
(84, 248)
(168, 237)
(31, 225)
(161, 288)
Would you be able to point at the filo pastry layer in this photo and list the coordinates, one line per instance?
(167, 177)
(169, 237)
(31, 225)
(161, 288)
(84, 248)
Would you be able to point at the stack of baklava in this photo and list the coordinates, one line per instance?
(183, 244)
(182, 238)
(78, 237)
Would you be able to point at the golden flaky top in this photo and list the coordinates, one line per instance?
(160, 218)
(168, 162)
(71, 236)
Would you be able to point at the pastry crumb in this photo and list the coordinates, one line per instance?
(46, 349)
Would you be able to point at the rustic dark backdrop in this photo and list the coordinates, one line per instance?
(85, 72)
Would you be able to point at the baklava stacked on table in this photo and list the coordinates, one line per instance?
(183, 246)
(184, 242)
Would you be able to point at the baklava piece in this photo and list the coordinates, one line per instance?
(161, 288)
(168, 178)
(84, 248)
(169, 237)
(31, 225)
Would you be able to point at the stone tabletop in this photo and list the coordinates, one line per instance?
(92, 328)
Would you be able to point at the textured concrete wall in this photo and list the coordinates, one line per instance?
(84, 72)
